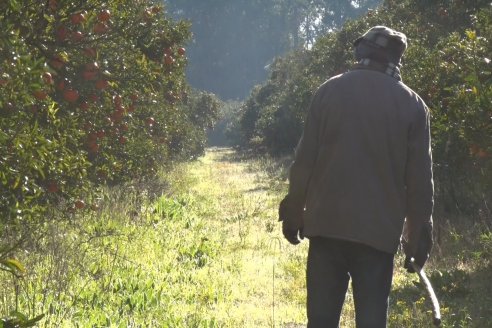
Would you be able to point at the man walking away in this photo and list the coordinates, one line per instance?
(362, 176)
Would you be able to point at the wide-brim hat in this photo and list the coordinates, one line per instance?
(385, 39)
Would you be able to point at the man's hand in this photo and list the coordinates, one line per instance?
(424, 247)
(292, 222)
(408, 264)
(293, 236)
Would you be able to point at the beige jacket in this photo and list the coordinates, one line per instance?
(364, 162)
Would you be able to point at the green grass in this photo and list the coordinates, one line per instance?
(208, 252)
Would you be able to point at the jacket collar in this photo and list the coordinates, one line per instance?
(386, 68)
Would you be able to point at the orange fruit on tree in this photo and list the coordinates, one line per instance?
(71, 95)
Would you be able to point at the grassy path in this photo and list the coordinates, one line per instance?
(263, 286)
(245, 274)
(210, 254)
(265, 276)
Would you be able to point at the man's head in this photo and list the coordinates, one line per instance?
(381, 44)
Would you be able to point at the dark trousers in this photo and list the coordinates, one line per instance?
(331, 264)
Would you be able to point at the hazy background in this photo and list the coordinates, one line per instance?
(234, 41)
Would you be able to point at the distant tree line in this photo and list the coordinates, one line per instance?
(235, 41)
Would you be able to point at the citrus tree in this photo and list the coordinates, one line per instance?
(90, 93)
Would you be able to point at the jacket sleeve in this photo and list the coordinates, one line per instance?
(419, 185)
(305, 158)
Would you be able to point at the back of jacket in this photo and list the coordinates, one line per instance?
(364, 164)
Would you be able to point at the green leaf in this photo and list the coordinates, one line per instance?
(15, 5)
(16, 183)
(14, 265)
(472, 35)
(21, 316)
(49, 18)
(32, 322)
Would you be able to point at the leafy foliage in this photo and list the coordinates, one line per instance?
(90, 93)
(201, 111)
(447, 63)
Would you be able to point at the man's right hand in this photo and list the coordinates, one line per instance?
(293, 236)
(292, 221)
(424, 246)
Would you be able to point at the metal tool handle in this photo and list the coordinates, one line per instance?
(436, 312)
